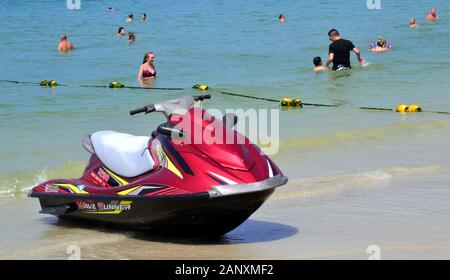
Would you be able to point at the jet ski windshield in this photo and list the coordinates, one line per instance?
(175, 106)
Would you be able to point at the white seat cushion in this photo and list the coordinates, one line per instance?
(125, 154)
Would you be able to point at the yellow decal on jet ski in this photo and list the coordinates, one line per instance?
(122, 181)
(172, 166)
(125, 192)
(117, 208)
(73, 188)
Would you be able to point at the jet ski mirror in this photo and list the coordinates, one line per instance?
(170, 130)
(230, 119)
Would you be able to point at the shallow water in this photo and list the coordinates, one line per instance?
(357, 177)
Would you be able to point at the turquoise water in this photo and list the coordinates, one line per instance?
(237, 47)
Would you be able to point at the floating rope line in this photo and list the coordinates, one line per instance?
(131, 87)
(111, 85)
(272, 100)
(20, 82)
(376, 109)
(404, 109)
(284, 102)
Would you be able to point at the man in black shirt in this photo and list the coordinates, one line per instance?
(339, 52)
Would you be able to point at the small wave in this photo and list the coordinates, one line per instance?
(317, 186)
(344, 137)
(19, 183)
(312, 187)
(397, 171)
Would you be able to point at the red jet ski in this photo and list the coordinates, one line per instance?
(164, 184)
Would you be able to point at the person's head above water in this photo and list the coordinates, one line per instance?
(317, 61)
(130, 16)
(131, 37)
(333, 34)
(412, 20)
(281, 18)
(148, 58)
(121, 31)
(432, 16)
(433, 11)
(64, 45)
(144, 17)
(381, 42)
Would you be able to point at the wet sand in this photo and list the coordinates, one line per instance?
(402, 210)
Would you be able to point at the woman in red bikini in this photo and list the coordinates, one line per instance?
(147, 70)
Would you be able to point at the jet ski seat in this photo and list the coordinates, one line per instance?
(125, 154)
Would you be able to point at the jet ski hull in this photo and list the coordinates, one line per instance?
(196, 214)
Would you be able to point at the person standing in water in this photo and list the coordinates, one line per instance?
(412, 23)
(64, 45)
(339, 52)
(432, 16)
(147, 70)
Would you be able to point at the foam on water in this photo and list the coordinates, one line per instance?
(325, 185)
(19, 183)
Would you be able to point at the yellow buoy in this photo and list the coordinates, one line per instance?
(201, 87)
(414, 108)
(297, 103)
(286, 101)
(51, 83)
(401, 108)
(116, 85)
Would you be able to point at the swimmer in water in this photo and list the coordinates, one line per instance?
(131, 37)
(432, 16)
(110, 9)
(281, 18)
(412, 23)
(147, 70)
(64, 45)
(130, 17)
(380, 46)
(318, 67)
(144, 17)
(121, 31)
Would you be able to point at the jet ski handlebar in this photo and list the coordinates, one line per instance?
(151, 108)
(202, 97)
(147, 109)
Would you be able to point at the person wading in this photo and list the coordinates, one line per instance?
(339, 52)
